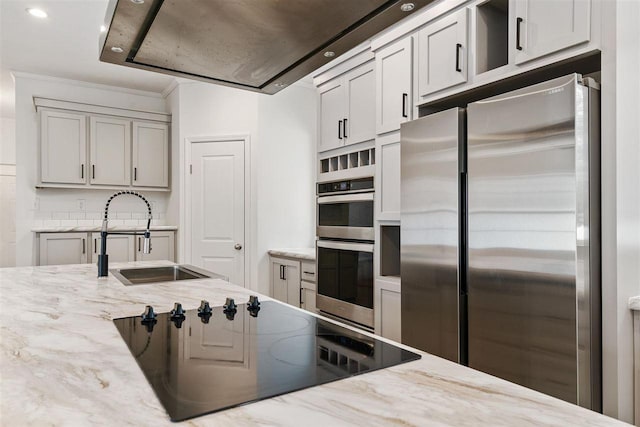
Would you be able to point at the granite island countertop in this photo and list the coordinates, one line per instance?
(64, 363)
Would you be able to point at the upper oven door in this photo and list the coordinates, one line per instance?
(346, 216)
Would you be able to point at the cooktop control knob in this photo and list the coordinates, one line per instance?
(230, 306)
(177, 312)
(204, 308)
(204, 311)
(253, 306)
(149, 315)
(253, 303)
(230, 309)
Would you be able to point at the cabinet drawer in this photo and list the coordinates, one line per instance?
(308, 272)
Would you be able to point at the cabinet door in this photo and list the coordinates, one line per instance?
(443, 53)
(389, 198)
(119, 247)
(162, 246)
(393, 87)
(150, 154)
(63, 147)
(361, 105)
(63, 248)
(308, 296)
(546, 26)
(332, 113)
(390, 314)
(278, 283)
(110, 148)
(292, 277)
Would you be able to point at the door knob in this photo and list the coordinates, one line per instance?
(238, 246)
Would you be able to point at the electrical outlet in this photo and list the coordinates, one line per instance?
(81, 205)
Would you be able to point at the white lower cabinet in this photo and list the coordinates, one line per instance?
(162, 246)
(388, 307)
(308, 286)
(285, 280)
(82, 248)
(119, 247)
(294, 282)
(63, 248)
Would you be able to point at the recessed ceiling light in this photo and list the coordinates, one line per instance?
(137, 1)
(407, 7)
(329, 54)
(280, 84)
(117, 49)
(38, 13)
(103, 28)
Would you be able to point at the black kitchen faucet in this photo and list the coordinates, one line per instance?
(103, 258)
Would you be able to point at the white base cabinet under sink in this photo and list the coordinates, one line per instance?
(84, 247)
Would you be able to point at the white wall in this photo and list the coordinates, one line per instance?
(282, 133)
(53, 207)
(7, 192)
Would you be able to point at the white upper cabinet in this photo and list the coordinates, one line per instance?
(442, 53)
(150, 154)
(359, 124)
(546, 26)
(393, 85)
(63, 142)
(110, 150)
(332, 113)
(91, 146)
(347, 108)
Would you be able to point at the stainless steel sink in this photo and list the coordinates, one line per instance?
(170, 273)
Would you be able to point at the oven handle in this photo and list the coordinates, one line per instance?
(347, 246)
(360, 197)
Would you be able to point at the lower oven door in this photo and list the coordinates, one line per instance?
(345, 280)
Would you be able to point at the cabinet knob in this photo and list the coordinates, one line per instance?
(237, 247)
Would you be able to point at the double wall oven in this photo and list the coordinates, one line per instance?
(345, 250)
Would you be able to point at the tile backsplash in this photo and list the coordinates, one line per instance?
(55, 208)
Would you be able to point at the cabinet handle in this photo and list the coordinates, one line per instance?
(309, 272)
(82, 171)
(405, 98)
(135, 174)
(139, 244)
(344, 128)
(84, 246)
(284, 272)
(95, 246)
(339, 129)
(93, 171)
(518, 22)
(458, 47)
(301, 300)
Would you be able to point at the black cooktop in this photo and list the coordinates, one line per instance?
(205, 360)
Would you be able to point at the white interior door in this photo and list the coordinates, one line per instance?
(217, 207)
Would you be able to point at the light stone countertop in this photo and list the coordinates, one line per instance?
(308, 254)
(89, 228)
(634, 303)
(64, 363)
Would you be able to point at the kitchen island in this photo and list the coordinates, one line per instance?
(64, 363)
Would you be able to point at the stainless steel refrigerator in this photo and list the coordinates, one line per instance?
(500, 235)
